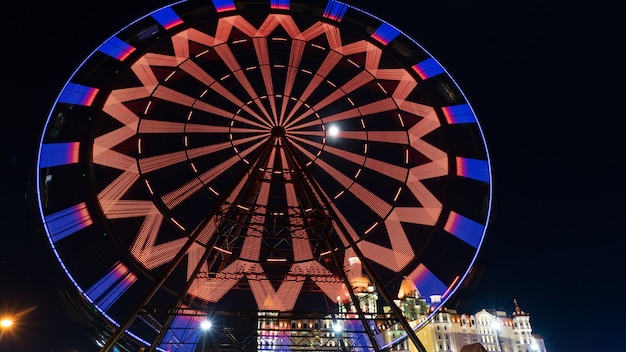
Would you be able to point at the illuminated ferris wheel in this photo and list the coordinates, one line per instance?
(268, 165)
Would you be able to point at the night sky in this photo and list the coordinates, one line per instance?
(543, 78)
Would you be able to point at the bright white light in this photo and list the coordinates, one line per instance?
(337, 328)
(333, 131)
(534, 346)
(205, 325)
(5, 323)
(496, 325)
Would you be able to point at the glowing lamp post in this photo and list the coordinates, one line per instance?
(338, 329)
(205, 326)
(5, 324)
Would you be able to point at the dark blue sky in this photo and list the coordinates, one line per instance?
(543, 78)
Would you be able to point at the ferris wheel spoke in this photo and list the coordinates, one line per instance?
(393, 171)
(180, 194)
(395, 256)
(258, 122)
(153, 163)
(194, 70)
(127, 208)
(360, 80)
(327, 65)
(368, 198)
(295, 57)
(338, 52)
(260, 46)
(230, 60)
(293, 135)
(300, 241)
(113, 159)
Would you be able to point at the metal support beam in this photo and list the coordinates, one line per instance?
(364, 262)
(115, 337)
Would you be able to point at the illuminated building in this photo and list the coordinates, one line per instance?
(448, 331)
(496, 331)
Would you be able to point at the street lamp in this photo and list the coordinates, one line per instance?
(205, 326)
(5, 324)
(338, 329)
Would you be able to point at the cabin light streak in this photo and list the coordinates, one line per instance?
(397, 194)
(371, 228)
(177, 224)
(169, 76)
(276, 259)
(149, 187)
(354, 63)
(202, 53)
(222, 250)
(401, 120)
(381, 87)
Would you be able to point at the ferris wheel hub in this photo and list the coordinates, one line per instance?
(278, 131)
